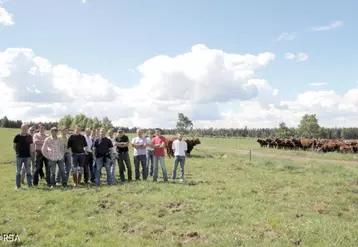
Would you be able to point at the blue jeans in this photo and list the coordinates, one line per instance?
(181, 160)
(113, 167)
(67, 165)
(160, 159)
(150, 160)
(32, 166)
(61, 168)
(106, 163)
(140, 159)
(26, 161)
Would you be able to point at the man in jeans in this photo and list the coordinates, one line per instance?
(179, 148)
(78, 144)
(39, 139)
(89, 157)
(112, 136)
(103, 152)
(32, 164)
(122, 142)
(139, 144)
(149, 153)
(21, 146)
(66, 157)
(159, 143)
(53, 150)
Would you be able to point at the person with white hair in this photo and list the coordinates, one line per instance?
(21, 146)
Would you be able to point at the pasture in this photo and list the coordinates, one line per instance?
(280, 198)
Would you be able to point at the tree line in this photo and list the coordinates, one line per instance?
(307, 128)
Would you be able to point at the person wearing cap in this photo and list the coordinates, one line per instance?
(122, 142)
(139, 144)
(39, 139)
(78, 145)
(159, 142)
(53, 150)
(21, 147)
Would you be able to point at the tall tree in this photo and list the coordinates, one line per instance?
(184, 123)
(66, 121)
(106, 123)
(309, 126)
(283, 131)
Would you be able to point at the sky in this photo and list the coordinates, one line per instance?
(224, 64)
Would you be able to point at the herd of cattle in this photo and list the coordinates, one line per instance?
(190, 142)
(319, 145)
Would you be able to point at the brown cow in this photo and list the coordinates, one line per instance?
(263, 142)
(190, 142)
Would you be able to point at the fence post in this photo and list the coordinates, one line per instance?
(250, 155)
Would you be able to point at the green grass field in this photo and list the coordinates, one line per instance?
(225, 201)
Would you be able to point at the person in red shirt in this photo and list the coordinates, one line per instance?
(159, 143)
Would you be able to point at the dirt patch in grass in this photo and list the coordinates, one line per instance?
(320, 208)
(191, 236)
(106, 204)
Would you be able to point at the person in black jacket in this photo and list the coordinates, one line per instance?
(78, 145)
(103, 152)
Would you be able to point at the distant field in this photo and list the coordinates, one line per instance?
(225, 201)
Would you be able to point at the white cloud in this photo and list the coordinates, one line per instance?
(332, 25)
(317, 84)
(290, 56)
(300, 57)
(212, 87)
(84, 1)
(286, 36)
(6, 18)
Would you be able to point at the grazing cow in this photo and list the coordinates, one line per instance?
(191, 144)
(263, 142)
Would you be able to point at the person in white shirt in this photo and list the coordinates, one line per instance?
(89, 174)
(139, 144)
(149, 152)
(179, 147)
(112, 136)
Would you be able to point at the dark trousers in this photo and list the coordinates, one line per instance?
(123, 158)
(89, 173)
(41, 161)
(140, 160)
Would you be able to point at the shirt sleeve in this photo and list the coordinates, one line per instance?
(16, 139)
(31, 140)
(185, 146)
(173, 145)
(126, 139)
(84, 142)
(133, 140)
(69, 142)
(110, 144)
(44, 148)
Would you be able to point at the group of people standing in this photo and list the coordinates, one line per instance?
(86, 155)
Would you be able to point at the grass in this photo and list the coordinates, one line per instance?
(225, 201)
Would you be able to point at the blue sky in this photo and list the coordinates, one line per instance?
(110, 37)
